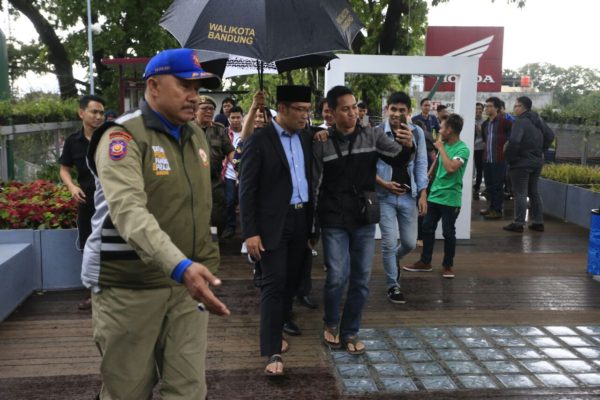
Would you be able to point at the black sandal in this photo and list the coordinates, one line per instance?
(353, 341)
(335, 332)
(275, 358)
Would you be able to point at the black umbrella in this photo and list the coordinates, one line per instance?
(266, 30)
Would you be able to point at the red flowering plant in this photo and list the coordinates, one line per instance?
(39, 204)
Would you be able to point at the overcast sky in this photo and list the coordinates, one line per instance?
(554, 31)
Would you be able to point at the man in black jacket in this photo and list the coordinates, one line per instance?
(275, 205)
(345, 169)
(529, 137)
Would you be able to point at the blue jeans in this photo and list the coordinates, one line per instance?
(403, 211)
(448, 215)
(231, 190)
(348, 257)
(495, 174)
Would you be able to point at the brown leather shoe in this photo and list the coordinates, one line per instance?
(484, 211)
(419, 266)
(493, 214)
(86, 304)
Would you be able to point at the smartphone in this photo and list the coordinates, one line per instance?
(403, 119)
(405, 187)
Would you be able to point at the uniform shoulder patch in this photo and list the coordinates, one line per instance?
(120, 135)
(117, 149)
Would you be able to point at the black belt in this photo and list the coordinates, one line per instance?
(297, 206)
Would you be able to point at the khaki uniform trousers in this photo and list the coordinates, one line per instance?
(146, 334)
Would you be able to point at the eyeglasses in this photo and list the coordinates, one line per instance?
(207, 108)
(301, 110)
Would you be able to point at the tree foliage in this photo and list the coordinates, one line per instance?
(568, 84)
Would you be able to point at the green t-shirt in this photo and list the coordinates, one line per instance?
(447, 188)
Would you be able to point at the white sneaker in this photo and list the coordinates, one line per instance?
(244, 250)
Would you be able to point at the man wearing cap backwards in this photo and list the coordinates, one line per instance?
(220, 148)
(150, 257)
(275, 212)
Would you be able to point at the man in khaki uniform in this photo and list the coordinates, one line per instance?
(151, 255)
(220, 149)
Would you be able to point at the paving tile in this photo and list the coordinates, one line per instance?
(369, 334)
(489, 354)
(498, 331)
(359, 385)
(381, 357)
(590, 330)
(476, 342)
(528, 331)
(516, 381)
(400, 333)
(477, 382)
(539, 366)
(501, 367)
(427, 368)
(464, 367)
(342, 357)
(389, 370)
(589, 352)
(556, 380)
(407, 343)
(353, 370)
(576, 366)
(506, 341)
(438, 383)
(451, 354)
(589, 379)
(433, 332)
(543, 341)
(523, 352)
(466, 331)
(417, 355)
(442, 343)
(560, 330)
(399, 385)
(375, 344)
(557, 352)
(575, 341)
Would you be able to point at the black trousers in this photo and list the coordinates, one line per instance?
(281, 269)
(478, 159)
(84, 220)
(305, 285)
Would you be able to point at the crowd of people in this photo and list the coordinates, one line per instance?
(158, 188)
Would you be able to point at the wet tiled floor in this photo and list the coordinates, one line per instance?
(487, 357)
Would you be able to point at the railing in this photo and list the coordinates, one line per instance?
(26, 149)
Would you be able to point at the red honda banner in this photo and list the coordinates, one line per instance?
(483, 42)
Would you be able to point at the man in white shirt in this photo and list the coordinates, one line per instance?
(236, 117)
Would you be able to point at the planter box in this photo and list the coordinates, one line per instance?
(56, 259)
(568, 202)
(554, 197)
(18, 277)
(579, 203)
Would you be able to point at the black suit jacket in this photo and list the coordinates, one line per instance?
(266, 185)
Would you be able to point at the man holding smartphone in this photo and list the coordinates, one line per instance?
(397, 189)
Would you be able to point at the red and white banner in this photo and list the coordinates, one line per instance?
(483, 42)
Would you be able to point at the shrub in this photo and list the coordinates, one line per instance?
(572, 174)
(36, 205)
(38, 110)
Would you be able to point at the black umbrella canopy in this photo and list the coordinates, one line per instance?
(266, 30)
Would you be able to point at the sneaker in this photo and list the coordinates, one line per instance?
(448, 273)
(419, 243)
(475, 195)
(395, 295)
(513, 228)
(493, 214)
(244, 249)
(537, 227)
(484, 211)
(419, 266)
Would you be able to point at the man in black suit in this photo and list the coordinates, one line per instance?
(275, 205)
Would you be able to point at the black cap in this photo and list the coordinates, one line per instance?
(292, 93)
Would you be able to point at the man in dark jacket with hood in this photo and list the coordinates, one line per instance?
(529, 137)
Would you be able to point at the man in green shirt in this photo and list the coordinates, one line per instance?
(444, 200)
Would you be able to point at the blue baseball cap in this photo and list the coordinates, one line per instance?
(182, 63)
